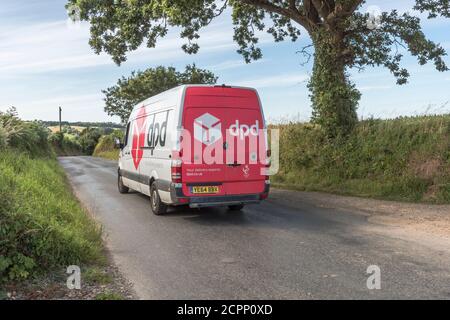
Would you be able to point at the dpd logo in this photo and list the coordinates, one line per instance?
(244, 130)
(207, 129)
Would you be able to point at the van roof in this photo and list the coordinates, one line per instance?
(173, 96)
(184, 86)
(212, 85)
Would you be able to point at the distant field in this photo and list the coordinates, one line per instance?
(55, 129)
(55, 124)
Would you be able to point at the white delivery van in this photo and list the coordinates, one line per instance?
(196, 145)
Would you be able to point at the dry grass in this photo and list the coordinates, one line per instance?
(55, 129)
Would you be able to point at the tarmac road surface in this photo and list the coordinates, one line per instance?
(280, 249)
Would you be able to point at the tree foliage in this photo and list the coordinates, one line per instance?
(25, 136)
(88, 139)
(342, 35)
(129, 91)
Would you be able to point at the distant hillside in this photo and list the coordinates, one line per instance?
(84, 124)
(55, 129)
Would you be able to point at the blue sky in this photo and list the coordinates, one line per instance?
(45, 61)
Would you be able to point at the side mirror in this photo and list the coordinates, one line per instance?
(119, 144)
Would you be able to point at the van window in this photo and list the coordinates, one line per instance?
(127, 134)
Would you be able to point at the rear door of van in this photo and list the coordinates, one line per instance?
(227, 145)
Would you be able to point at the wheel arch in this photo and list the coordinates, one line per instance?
(153, 178)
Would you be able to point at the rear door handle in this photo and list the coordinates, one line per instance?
(234, 164)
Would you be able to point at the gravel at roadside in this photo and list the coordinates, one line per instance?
(97, 283)
(425, 218)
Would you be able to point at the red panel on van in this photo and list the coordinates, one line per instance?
(226, 143)
(221, 97)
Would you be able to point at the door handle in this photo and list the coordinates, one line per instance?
(234, 164)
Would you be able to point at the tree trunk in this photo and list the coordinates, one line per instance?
(334, 98)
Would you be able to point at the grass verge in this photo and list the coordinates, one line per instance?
(109, 155)
(106, 147)
(42, 225)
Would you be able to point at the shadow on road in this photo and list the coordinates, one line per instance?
(210, 216)
(267, 215)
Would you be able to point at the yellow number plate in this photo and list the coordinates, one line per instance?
(205, 190)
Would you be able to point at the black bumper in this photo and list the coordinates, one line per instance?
(177, 197)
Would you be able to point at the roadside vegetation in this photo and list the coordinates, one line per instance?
(404, 159)
(80, 125)
(76, 142)
(65, 144)
(106, 147)
(42, 225)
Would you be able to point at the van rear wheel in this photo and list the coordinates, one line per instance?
(237, 207)
(122, 188)
(158, 207)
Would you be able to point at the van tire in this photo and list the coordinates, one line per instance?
(122, 188)
(158, 207)
(237, 207)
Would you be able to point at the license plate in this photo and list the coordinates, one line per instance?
(205, 190)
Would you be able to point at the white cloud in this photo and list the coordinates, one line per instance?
(57, 46)
(374, 88)
(46, 47)
(35, 51)
(225, 65)
(88, 107)
(232, 64)
(69, 100)
(406, 6)
(282, 80)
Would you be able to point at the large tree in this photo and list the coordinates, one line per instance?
(343, 37)
(129, 91)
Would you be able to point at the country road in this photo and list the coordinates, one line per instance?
(289, 247)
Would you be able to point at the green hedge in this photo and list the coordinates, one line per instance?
(29, 137)
(402, 159)
(106, 147)
(42, 225)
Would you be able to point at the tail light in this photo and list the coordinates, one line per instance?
(268, 158)
(265, 194)
(176, 171)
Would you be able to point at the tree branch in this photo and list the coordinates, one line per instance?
(292, 5)
(341, 11)
(289, 13)
(311, 13)
(306, 54)
(321, 8)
